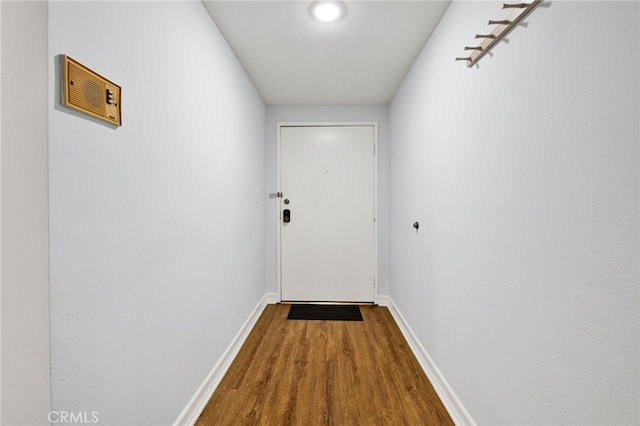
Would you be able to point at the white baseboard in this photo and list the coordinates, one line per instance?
(382, 300)
(454, 407)
(196, 405)
(271, 298)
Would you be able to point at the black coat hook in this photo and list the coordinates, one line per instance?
(416, 225)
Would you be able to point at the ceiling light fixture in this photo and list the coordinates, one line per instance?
(327, 11)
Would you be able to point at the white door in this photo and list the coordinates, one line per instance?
(327, 222)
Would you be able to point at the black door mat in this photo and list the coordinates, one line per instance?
(325, 312)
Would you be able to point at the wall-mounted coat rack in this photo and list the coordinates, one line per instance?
(502, 28)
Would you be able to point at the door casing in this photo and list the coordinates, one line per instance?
(279, 125)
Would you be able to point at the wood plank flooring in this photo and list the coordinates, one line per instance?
(294, 372)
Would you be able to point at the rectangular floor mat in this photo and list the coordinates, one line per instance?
(325, 312)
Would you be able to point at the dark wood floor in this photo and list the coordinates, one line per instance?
(325, 372)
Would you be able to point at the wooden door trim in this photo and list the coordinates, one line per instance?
(279, 126)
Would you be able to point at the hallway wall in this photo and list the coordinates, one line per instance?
(25, 396)
(157, 236)
(522, 282)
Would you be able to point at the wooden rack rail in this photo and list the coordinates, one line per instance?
(503, 27)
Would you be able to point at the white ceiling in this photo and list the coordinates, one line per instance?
(293, 59)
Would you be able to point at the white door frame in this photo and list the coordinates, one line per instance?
(279, 125)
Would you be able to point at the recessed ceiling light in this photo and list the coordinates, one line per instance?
(327, 11)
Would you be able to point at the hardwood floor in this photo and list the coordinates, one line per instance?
(293, 372)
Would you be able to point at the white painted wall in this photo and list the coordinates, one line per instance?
(522, 282)
(157, 235)
(26, 379)
(327, 113)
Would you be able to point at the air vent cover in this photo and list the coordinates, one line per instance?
(89, 92)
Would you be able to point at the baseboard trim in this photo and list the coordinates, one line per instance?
(382, 300)
(194, 408)
(454, 407)
(271, 299)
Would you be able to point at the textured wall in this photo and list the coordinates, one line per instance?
(522, 282)
(157, 235)
(26, 385)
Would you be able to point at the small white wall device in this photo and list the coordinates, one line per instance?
(87, 91)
